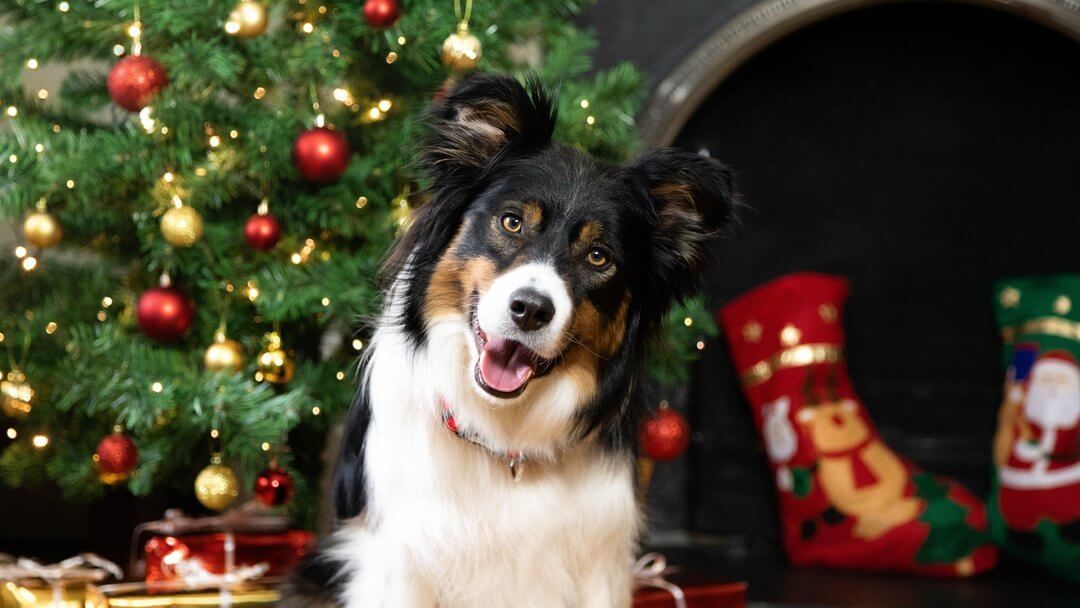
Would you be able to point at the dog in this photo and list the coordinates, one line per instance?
(488, 458)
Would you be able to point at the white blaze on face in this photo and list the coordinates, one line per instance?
(1053, 398)
(494, 315)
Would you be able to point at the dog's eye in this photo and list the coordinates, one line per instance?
(598, 257)
(511, 223)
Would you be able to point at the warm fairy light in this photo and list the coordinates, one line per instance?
(315, 411)
(214, 433)
(688, 321)
(229, 287)
(157, 387)
(101, 316)
(385, 105)
(20, 252)
(266, 446)
(232, 27)
(51, 328)
(340, 375)
(326, 301)
(39, 148)
(168, 177)
(215, 141)
(63, 7)
(233, 134)
(391, 57)
(12, 433)
(106, 301)
(1, 336)
(361, 202)
(308, 27)
(13, 159)
(341, 94)
(56, 127)
(374, 113)
(584, 104)
(402, 40)
(251, 291)
(322, 10)
(40, 441)
(320, 120)
(335, 53)
(135, 30)
(700, 345)
(295, 258)
(32, 64)
(200, 171)
(146, 119)
(118, 49)
(12, 111)
(29, 263)
(590, 120)
(358, 344)
(164, 130)
(70, 184)
(259, 93)
(43, 94)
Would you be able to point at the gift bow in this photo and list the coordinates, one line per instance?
(649, 571)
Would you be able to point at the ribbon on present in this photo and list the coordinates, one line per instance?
(80, 569)
(649, 571)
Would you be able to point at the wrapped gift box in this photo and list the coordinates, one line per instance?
(35, 594)
(26, 583)
(219, 552)
(696, 594)
(249, 594)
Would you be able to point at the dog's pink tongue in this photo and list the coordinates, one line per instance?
(506, 365)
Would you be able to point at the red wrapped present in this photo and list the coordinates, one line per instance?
(243, 542)
(658, 587)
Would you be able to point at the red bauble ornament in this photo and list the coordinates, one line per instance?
(135, 80)
(262, 231)
(381, 13)
(274, 487)
(115, 458)
(321, 155)
(665, 436)
(165, 313)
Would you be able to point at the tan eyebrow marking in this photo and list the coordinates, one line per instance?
(533, 213)
(590, 233)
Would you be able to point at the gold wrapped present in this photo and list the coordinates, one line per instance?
(25, 583)
(247, 594)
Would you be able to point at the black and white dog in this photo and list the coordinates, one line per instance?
(488, 457)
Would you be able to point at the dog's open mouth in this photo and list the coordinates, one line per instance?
(505, 366)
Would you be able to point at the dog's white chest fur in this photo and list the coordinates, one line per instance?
(446, 525)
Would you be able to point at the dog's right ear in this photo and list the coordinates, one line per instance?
(485, 117)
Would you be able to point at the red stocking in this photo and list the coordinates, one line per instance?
(846, 499)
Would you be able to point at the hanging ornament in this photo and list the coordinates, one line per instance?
(247, 20)
(274, 362)
(181, 225)
(461, 50)
(666, 435)
(273, 487)
(216, 486)
(16, 395)
(321, 155)
(262, 230)
(115, 457)
(224, 355)
(381, 14)
(165, 313)
(41, 229)
(135, 80)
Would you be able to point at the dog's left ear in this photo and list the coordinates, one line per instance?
(485, 117)
(694, 199)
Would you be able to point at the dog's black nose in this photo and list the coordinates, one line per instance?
(531, 309)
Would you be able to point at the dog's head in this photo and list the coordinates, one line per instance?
(553, 266)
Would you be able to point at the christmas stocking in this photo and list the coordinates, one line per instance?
(1035, 504)
(846, 499)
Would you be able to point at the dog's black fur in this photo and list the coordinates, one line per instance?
(491, 142)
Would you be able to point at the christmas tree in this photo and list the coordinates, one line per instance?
(202, 208)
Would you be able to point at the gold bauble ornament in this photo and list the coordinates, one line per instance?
(16, 395)
(275, 364)
(224, 355)
(247, 20)
(461, 50)
(42, 229)
(181, 226)
(216, 486)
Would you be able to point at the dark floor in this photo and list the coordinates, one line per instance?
(774, 583)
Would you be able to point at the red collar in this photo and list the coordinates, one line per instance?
(849, 451)
(515, 460)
